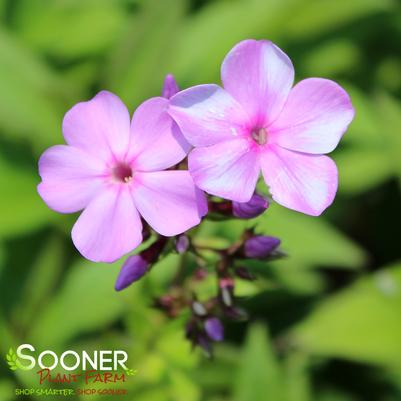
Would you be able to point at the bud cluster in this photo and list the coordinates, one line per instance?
(204, 325)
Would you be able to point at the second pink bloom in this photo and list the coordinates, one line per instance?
(259, 122)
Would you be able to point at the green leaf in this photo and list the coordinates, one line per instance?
(182, 388)
(390, 111)
(7, 390)
(298, 384)
(69, 29)
(137, 66)
(365, 129)
(310, 241)
(208, 35)
(359, 323)
(317, 17)
(331, 58)
(21, 207)
(332, 394)
(87, 301)
(30, 106)
(41, 280)
(258, 376)
(388, 73)
(372, 143)
(362, 169)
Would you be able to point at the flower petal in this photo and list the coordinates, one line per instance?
(100, 126)
(207, 114)
(109, 227)
(259, 75)
(70, 178)
(169, 201)
(306, 183)
(315, 116)
(228, 169)
(156, 141)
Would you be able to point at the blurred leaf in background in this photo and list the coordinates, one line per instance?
(328, 316)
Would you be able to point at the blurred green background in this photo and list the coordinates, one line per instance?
(326, 322)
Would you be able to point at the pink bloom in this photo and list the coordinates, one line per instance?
(112, 168)
(259, 122)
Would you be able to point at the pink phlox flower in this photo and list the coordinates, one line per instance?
(115, 170)
(260, 122)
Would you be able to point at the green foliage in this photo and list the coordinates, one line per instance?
(360, 322)
(330, 308)
(321, 245)
(259, 375)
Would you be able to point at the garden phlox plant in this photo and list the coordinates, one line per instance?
(133, 181)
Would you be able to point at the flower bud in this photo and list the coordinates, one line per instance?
(198, 308)
(136, 266)
(244, 273)
(132, 270)
(170, 87)
(260, 246)
(214, 329)
(236, 313)
(226, 285)
(182, 243)
(253, 208)
(204, 343)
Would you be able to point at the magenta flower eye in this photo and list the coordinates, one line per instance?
(260, 123)
(122, 173)
(259, 135)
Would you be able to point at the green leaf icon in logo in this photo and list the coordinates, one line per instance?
(131, 372)
(13, 361)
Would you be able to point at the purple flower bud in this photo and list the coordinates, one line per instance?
(132, 270)
(204, 343)
(253, 208)
(244, 273)
(182, 243)
(170, 87)
(236, 313)
(214, 329)
(260, 246)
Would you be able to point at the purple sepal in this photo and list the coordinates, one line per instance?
(132, 270)
(182, 243)
(260, 246)
(253, 208)
(170, 87)
(214, 329)
(205, 344)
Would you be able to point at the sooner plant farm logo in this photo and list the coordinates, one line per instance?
(96, 367)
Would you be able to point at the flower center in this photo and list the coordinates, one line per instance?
(259, 136)
(122, 173)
